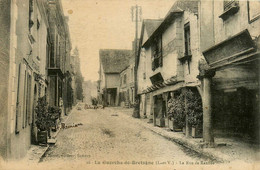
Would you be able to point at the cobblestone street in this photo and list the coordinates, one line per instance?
(110, 137)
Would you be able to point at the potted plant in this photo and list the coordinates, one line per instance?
(46, 118)
(194, 113)
(176, 113)
(160, 121)
(54, 114)
(42, 120)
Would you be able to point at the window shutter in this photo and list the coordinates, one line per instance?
(18, 105)
(160, 61)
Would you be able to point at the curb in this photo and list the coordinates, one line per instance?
(218, 157)
(192, 147)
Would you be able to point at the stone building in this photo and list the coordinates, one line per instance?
(59, 76)
(27, 62)
(229, 41)
(143, 67)
(112, 63)
(168, 59)
(23, 57)
(127, 86)
(211, 48)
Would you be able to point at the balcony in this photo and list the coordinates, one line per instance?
(52, 71)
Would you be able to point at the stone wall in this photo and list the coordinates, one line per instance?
(5, 7)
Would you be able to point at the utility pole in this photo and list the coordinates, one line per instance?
(137, 11)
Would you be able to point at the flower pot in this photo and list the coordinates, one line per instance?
(184, 130)
(196, 132)
(174, 127)
(166, 120)
(160, 122)
(42, 137)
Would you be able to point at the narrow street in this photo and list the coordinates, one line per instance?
(107, 135)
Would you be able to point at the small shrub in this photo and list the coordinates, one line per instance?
(194, 109)
(176, 110)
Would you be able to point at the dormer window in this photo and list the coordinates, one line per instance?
(230, 7)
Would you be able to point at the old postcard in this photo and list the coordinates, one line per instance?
(129, 84)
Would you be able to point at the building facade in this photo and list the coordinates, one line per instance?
(212, 49)
(168, 58)
(112, 63)
(59, 75)
(229, 41)
(25, 35)
(127, 86)
(25, 75)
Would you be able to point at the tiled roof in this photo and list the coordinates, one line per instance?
(114, 60)
(178, 7)
(151, 25)
(187, 5)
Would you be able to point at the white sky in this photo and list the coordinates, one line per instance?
(106, 24)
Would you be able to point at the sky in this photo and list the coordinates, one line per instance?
(106, 24)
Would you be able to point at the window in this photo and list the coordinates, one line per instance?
(230, 7)
(157, 53)
(38, 24)
(187, 39)
(24, 99)
(28, 100)
(30, 14)
(187, 44)
(228, 4)
(124, 78)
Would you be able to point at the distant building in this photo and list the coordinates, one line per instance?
(59, 54)
(127, 87)
(89, 91)
(77, 81)
(112, 63)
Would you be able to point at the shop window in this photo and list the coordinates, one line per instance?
(157, 60)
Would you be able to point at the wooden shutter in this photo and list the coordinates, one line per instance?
(18, 105)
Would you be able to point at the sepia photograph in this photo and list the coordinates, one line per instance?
(129, 84)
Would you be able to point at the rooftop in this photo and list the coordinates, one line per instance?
(115, 60)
